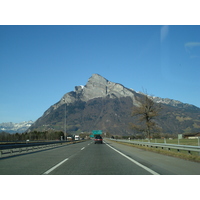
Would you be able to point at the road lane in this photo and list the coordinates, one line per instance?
(87, 158)
(134, 161)
(99, 159)
(38, 162)
(162, 164)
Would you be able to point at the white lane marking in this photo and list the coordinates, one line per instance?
(50, 170)
(134, 161)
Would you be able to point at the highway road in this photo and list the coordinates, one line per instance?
(87, 158)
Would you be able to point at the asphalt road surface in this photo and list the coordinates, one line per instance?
(87, 158)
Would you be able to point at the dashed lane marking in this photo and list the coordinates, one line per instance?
(50, 170)
(60, 163)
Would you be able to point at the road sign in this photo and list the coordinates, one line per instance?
(96, 132)
(180, 136)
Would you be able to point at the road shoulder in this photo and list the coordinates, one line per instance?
(161, 164)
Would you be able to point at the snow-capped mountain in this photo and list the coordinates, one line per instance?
(10, 127)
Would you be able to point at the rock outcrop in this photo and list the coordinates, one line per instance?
(97, 86)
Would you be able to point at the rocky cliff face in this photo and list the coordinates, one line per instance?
(105, 105)
(97, 86)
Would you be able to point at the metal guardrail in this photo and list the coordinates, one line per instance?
(28, 144)
(164, 146)
(10, 150)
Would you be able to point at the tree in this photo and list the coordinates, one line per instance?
(146, 112)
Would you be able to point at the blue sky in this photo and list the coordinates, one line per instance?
(39, 64)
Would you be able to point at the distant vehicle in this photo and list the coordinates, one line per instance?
(76, 137)
(69, 138)
(98, 139)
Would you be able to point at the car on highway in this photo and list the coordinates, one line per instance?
(98, 139)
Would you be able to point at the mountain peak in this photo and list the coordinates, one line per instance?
(102, 104)
(96, 78)
(98, 86)
(95, 87)
(96, 75)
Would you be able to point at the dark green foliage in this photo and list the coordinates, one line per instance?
(34, 135)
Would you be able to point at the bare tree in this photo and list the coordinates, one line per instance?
(146, 112)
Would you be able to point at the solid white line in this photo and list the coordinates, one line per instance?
(137, 163)
(50, 170)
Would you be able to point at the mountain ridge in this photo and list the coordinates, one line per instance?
(83, 93)
(77, 93)
(11, 127)
(88, 105)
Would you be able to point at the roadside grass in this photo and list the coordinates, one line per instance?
(173, 152)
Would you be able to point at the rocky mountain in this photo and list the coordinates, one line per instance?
(10, 127)
(105, 105)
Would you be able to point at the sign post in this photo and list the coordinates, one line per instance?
(180, 136)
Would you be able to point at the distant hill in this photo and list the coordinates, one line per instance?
(105, 105)
(10, 127)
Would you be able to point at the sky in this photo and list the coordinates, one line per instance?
(39, 64)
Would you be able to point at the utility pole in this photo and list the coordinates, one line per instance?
(64, 120)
